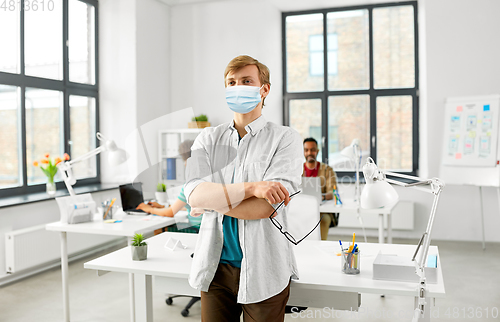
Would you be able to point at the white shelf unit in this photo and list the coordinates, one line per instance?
(169, 141)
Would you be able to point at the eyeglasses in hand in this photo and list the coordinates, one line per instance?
(286, 233)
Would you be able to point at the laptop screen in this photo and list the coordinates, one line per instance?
(131, 195)
(312, 186)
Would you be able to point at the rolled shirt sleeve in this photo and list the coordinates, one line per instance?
(198, 169)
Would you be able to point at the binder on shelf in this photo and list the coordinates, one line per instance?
(163, 169)
(179, 169)
(171, 166)
(172, 145)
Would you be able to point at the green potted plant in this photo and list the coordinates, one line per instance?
(161, 193)
(199, 121)
(139, 248)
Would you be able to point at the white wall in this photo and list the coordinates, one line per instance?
(462, 60)
(44, 212)
(458, 57)
(134, 84)
(117, 77)
(205, 37)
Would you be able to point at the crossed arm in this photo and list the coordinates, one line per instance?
(248, 200)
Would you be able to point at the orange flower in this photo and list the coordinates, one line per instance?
(58, 160)
(35, 163)
(44, 161)
(47, 155)
(66, 156)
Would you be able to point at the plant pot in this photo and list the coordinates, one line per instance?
(51, 188)
(161, 197)
(139, 253)
(198, 125)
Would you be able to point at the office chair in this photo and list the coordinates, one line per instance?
(185, 311)
(303, 214)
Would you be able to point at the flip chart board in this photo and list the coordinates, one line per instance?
(470, 144)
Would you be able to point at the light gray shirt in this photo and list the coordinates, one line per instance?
(268, 152)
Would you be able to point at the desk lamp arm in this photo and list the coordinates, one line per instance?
(434, 186)
(66, 167)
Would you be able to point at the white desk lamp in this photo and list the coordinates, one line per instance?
(116, 156)
(353, 152)
(379, 193)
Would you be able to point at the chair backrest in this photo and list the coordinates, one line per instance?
(302, 216)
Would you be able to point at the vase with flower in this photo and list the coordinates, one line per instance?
(49, 167)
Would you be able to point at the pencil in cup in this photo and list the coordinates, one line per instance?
(350, 263)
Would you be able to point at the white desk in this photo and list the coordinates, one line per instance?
(321, 283)
(128, 228)
(350, 207)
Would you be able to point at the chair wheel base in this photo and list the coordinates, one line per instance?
(185, 312)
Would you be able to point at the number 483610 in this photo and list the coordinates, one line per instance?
(29, 5)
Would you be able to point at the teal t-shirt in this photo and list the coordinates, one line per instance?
(231, 249)
(194, 221)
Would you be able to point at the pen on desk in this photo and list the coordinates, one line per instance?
(341, 248)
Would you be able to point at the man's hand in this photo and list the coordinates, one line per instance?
(273, 192)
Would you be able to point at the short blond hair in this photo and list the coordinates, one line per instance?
(244, 60)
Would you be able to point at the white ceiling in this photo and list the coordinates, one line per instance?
(286, 5)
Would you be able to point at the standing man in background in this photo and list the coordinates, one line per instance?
(314, 168)
(237, 175)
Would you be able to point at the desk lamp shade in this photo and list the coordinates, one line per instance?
(377, 192)
(116, 155)
(350, 150)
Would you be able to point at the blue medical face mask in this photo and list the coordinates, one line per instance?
(243, 99)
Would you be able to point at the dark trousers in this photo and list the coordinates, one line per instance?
(219, 304)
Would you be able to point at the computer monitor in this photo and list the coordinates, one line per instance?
(312, 186)
(131, 196)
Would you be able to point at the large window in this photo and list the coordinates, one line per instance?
(48, 90)
(364, 86)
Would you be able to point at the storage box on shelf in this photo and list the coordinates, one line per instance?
(172, 165)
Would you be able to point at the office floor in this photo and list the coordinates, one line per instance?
(471, 278)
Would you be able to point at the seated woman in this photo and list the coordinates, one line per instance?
(181, 202)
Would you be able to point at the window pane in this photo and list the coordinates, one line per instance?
(9, 132)
(305, 117)
(348, 50)
(348, 119)
(44, 131)
(82, 125)
(304, 51)
(394, 133)
(10, 26)
(43, 40)
(81, 42)
(394, 47)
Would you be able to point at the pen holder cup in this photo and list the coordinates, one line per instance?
(350, 263)
(110, 213)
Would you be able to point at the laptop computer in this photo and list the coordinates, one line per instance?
(131, 196)
(312, 186)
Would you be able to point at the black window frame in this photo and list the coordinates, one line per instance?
(371, 91)
(65, 86)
